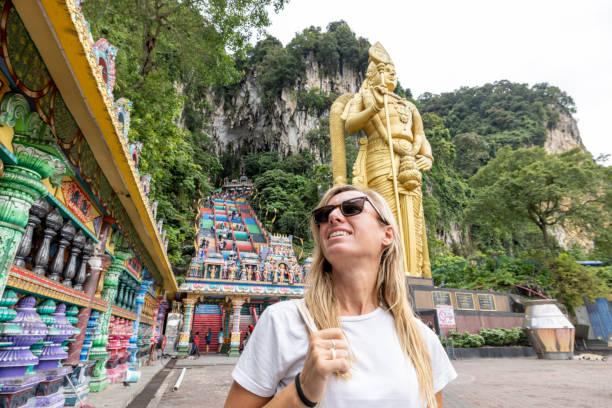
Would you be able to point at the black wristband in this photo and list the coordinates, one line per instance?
(300, 393)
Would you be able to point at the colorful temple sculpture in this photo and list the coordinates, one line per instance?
(84, 274)
(238, 270)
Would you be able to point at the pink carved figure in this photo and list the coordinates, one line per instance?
(135, 149)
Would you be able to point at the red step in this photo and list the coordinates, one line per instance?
(201, 324)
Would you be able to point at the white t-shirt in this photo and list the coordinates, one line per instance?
(381, 375)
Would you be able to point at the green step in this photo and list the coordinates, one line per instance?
(242, 236)
(253, 229)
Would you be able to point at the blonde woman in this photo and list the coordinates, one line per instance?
(369, 350)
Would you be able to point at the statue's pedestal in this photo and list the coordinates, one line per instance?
(16, 391)
(80, 377)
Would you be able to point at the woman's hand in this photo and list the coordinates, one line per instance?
(319, 363)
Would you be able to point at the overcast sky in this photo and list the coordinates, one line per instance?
(441, 45)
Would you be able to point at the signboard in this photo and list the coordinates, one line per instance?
(486, 302)
(441, 298)
(465, 301)
(446, 316)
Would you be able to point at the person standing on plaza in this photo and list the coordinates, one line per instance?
(196, 344)
(221, 340)
(208, 339)
(366, 347)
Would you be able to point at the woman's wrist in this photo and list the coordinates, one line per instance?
(375, 108)
(300, 393)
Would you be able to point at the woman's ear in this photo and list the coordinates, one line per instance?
(388, 237)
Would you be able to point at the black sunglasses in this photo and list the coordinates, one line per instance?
(350, 207)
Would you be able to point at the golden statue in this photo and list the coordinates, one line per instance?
(393, 170)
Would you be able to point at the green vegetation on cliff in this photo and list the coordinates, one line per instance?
(502, 113)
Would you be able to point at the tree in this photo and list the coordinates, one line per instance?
(567, 190)
(202, 31)
(472, 152)
(573, 281)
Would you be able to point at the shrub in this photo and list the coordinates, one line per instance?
(489, 337)
(493, 337)
(466, 339)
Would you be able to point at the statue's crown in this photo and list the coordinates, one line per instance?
(378, 54)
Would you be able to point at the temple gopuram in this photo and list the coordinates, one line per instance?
(84, 274)
(239, 269)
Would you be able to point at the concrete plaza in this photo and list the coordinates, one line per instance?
(490, 383)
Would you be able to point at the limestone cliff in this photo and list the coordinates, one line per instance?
(282, 126)
(564, 136)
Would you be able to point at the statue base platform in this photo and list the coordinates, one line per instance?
(472, 309)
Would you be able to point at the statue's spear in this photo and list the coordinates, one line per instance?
(393, 173)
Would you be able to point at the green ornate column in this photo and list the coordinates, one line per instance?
(38, 157)
(98, 352)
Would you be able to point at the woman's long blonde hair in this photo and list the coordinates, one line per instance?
(390, 287)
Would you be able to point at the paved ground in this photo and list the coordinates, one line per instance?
(483, 383)
(119, 396)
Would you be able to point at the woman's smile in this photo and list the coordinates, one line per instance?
(338, 233)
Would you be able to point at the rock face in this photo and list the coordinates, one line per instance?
(564, 136)
(281, 126)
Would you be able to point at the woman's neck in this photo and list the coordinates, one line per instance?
(355, 290)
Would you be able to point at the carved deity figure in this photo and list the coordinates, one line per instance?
(266, 273)
(146, 183)
(135, 149)
(232, 271)
(379, 112)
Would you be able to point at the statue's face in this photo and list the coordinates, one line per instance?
(390, 78)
